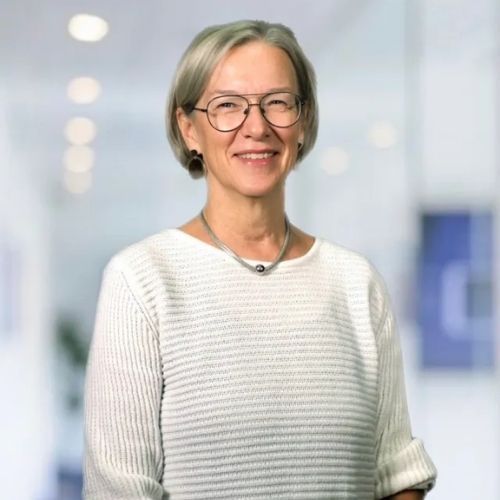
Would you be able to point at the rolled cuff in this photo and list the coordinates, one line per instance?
(410, 468)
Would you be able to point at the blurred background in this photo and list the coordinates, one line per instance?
(405, 171)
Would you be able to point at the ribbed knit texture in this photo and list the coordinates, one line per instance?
(208, 381)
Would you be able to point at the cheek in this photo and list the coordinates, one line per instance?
(216, 147)
(292, 150)
(292, 142)
(219, 144)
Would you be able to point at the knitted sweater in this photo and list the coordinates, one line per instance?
(206, 380)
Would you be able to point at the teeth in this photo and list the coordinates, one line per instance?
(256, 156)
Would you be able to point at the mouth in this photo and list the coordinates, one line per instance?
(256, 156)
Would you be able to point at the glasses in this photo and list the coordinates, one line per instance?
(228, 112)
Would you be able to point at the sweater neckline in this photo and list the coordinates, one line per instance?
(217, 251)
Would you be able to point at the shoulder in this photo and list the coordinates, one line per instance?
(358, 276)
(345, 260)
(139, 269)
(146, 257)
(334, 256)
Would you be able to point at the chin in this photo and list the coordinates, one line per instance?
(260, 189)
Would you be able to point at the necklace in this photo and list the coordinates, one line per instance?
(259, 268)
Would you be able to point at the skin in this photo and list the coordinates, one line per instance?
(246, 199)
(407, 495)
(245, 203)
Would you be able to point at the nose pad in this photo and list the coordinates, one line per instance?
(261, 117)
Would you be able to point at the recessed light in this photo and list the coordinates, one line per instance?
(334, 160)
(80, 131)
(78, 159)
(84, 90)
(382, 135)
(87, 28)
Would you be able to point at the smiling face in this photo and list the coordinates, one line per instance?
(255, 159)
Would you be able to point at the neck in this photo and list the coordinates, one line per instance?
(253, 227)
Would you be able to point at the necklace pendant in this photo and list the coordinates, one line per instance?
(260, 268)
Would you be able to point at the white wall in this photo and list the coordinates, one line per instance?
(26, 378)
(457, 124)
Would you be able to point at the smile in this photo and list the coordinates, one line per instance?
(255, 156)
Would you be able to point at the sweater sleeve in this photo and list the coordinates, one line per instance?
(123, 453)
(402, 462)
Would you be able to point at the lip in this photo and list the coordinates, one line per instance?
(266, 160)
(255, 152)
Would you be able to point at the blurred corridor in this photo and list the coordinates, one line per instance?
(405, 171)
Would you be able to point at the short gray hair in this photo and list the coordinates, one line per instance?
(202, 56)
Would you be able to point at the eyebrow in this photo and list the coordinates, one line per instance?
(234, 92)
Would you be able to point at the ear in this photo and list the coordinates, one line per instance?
(188, 130)
(301, 135)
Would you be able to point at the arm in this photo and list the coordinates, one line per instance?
(123, 452)
(402, 462)
(407, 495)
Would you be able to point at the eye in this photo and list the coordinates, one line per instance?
(226, 104)
(279, 102)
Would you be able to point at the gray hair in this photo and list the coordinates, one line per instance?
(202, 56)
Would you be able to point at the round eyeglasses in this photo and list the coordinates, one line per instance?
(228, 112)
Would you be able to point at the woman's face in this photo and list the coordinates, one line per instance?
(255, 159)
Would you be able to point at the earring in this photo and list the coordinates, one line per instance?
(300, 146)
(196, 165)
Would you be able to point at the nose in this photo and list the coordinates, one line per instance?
(255, 125)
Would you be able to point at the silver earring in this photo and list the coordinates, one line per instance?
(196, 165)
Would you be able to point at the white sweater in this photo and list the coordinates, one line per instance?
(206, 380)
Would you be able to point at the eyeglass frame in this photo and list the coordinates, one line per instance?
(299, 100)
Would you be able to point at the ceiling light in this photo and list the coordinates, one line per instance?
(382, 135)
(77, 183)
(334, 160)
(80, 131)
(78, 159)
(87, 28)
(84, 90)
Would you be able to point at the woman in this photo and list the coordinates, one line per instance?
(237, 356)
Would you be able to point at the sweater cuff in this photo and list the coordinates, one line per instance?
(410, 468)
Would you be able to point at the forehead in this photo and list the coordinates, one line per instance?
(254, 67)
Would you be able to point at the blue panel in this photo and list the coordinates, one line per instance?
(70, 483)
(455, 291)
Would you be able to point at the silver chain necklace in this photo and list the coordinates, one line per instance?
(259, 268)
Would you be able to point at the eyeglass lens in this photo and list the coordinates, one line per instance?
(281, 109)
